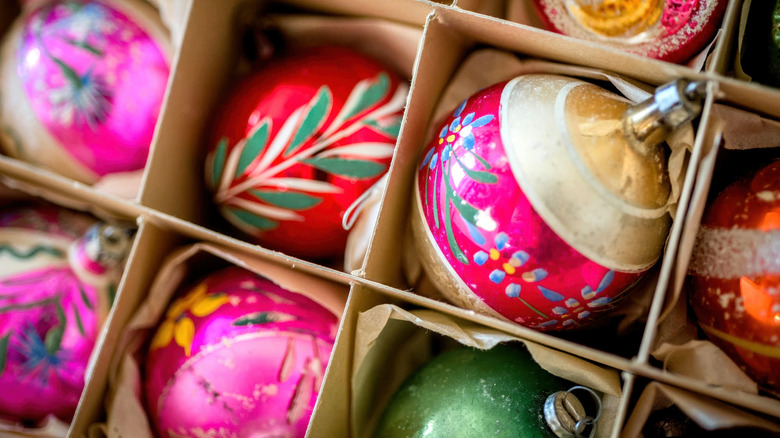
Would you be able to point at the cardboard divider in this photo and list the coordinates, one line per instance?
(659, 407)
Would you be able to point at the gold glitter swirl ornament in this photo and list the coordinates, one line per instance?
(670, 30)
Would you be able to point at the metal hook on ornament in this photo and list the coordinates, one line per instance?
(352, 212)
(566, 416)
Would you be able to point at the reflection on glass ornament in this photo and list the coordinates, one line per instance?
(245, 354)
(734, 274)
(543, 200)
(670, 30)
(299, 141)
(58, 277)
(82, 86)
(498, 392)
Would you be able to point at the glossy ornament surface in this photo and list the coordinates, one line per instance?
(469, 392)
(670, 30)
(245, 354)
(54, 295)
(298, 142)
(82, 86)
(734, 274)
(530, 201)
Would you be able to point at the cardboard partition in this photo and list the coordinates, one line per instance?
(20, 182)
(209, 62)
(657, 408)
(450, 38)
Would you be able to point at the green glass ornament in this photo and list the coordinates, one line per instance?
(467, 392)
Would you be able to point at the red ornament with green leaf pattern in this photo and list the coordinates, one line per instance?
(296, 143)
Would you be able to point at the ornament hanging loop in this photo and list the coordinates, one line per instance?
(566, 416)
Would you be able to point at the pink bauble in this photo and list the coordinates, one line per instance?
(51, 310)
(243, 353)
(297, 142)
(510, 221)
(86, 88)
(670, 30)
(734, 274)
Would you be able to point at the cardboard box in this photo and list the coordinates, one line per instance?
(173, 208)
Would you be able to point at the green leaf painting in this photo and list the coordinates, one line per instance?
(253, 147)
(359, 169)
(253, 219)
(219, 161)
(79, 323)
(4, 351)
(85, 45)
(53, 339)
(314, 118)
(291, 200)
(262, 318)
(373, 94)
(84, 297)
(391, 129)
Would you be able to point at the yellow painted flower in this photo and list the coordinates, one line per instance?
(178, 326)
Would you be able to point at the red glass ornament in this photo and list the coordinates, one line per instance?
(734, 275)
(297, 142)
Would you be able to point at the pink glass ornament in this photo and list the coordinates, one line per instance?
(245, 354)
(516, 216)
(54, 296)
(298, 142)
(93, 74)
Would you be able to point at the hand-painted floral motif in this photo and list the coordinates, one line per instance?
(95, 80)
(487, 231)
(255, 359)
(299, 142)
(49, 315)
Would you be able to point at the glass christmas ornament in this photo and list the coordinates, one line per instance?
(496, 392)
(82, 86)
(245, 354)
(299, 141)
(58, 275)
(672, 31)
(760, 48)
(734, 274)
(543, 199)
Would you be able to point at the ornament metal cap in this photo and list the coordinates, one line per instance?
(565, 415)
(108, 245)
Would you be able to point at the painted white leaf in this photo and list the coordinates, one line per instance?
(280, 141)
(352, 100)
(231, 164)
(371, 150)
(303, 185)
(396, 103)
(268, 211)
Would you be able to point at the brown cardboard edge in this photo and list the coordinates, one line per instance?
(724, 47)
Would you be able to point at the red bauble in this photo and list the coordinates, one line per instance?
(297, 142)
(734, 275)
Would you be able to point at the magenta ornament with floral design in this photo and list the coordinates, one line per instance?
(670, 30)
(243, 353)
(83, 86)
(297, 142)
(55, 292)
(518, 212)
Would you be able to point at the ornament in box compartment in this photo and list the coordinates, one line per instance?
(82, 85)
(496, 392)
(760, 44)
(543, 200)
(299, 141)
(245, 354)
(734, 274)
(672, 31)
(58, 274)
